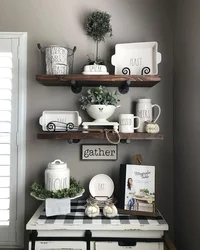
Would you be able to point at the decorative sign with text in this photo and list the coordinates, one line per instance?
(99, 152)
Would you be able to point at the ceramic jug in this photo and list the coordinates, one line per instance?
(144, 111)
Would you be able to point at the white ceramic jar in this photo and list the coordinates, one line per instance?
(144, 111)
(57, 176)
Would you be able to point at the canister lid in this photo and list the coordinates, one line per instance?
(57, 164)
(143, 100)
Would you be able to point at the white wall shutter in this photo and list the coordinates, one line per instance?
(8, 146)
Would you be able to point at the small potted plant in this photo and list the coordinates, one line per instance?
(99, 103)
(97, 26)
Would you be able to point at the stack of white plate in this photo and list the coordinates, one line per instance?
(101, 189)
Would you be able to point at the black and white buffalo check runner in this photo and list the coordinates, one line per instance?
(78, 217)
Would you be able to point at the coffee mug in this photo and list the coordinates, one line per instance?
(144, 111)
(126, 123)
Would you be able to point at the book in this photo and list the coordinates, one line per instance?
(137, 188)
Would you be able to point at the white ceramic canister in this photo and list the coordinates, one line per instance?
(144, 111)
(57, 176)
(56, 60)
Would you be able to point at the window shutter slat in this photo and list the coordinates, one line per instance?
(5, 127)
(6, 73)
(5, 83)
(4, 160)
(4, 137)
(5, 116)
(4, 193)
(5, 94)
(5, 105)
(4, 149)
(5, 61)
(4, 204)
(4, 182)
(4, 215)
(4, 171)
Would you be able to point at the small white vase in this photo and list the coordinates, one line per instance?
(100, 112)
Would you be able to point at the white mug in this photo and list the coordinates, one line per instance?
(126, 123)
(144, 111)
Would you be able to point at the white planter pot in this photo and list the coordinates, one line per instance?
(100, 112)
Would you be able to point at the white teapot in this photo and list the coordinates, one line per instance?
(57, 176)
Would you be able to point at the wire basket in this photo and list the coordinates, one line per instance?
(57, 60)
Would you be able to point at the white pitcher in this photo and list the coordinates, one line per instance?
(144, 111)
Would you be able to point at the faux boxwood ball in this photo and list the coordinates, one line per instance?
(98, 25)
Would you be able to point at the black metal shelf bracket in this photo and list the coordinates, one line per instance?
(71, 141)
(75, 87)
(124, 87)
(127, 141)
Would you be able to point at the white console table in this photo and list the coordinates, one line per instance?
(76, 231)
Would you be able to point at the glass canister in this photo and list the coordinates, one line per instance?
(57, 176)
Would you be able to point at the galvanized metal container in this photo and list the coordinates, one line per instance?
(57, 60)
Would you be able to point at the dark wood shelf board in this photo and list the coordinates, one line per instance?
(93, 80)
(97, 135)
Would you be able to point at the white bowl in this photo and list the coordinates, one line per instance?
(100, 112)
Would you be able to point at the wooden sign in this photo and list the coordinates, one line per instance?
(99, 152)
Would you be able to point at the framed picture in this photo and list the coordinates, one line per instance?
(137, 189)
(105, 152)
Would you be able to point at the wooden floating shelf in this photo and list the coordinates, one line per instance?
(94, 80)
(78, 135)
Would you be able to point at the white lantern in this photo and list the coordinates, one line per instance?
(57, 176)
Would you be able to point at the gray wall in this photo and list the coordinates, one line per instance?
(187, 121)
(61, 22)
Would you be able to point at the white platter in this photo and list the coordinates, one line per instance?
(101, 187)
(136, 56)
(95, 73)
(60, 118)
(75, 197)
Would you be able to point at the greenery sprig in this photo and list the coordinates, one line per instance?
(99, 96)
(40, 192)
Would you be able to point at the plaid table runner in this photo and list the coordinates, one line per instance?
(78, 217)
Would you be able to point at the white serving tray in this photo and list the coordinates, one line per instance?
(60, 118)
(136, 56)
(72, 198)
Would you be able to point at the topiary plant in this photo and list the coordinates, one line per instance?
(98, 26)
(99, 96)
